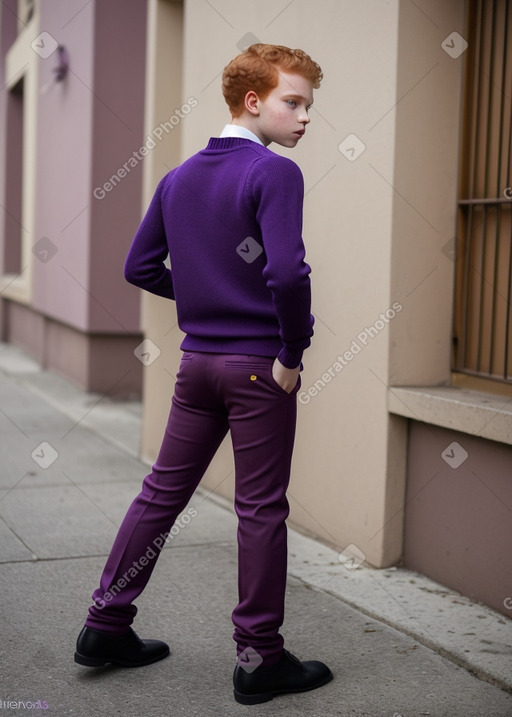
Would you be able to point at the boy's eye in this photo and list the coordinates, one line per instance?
(291, 103)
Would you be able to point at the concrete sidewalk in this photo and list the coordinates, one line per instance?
(398, 644)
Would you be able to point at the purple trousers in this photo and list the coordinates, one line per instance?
(215, 393)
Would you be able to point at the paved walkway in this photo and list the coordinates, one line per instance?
(398, 644)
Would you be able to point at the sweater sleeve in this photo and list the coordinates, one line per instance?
(144, 264)
(278, 189)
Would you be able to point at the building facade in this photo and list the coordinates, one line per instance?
(403, 449)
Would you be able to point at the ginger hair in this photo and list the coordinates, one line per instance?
(257, 69)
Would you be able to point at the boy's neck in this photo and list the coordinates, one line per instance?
(247, 123)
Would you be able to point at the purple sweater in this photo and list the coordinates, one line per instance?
(230, 219)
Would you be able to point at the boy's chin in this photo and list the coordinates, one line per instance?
(289, 142)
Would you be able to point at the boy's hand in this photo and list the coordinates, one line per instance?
(286, 377)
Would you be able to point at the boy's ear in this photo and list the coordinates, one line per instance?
(252, 102)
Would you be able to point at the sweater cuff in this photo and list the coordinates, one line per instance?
(290, 358)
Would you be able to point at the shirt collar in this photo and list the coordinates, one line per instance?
(236, 130)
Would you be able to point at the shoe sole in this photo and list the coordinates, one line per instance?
(100, 661)
(257, 699)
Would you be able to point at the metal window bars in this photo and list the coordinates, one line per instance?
(483, 317)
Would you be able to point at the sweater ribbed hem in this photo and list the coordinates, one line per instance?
(232, 345)
(250, 347)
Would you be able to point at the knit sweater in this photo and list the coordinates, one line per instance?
(230, 219)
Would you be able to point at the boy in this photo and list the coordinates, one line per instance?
(230, 218)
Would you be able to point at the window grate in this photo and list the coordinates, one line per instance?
(483, 317)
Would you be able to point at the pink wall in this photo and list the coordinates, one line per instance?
(64, 126)
(119, 82)
(87, 126)
(458, 527)
(9, 220)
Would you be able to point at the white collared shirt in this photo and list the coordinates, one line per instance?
(236, 130)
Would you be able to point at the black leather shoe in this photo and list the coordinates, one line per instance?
(95, 648)
(287, 676)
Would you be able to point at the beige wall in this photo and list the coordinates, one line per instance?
(163, 95)
(424, 201)
(389, 82)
